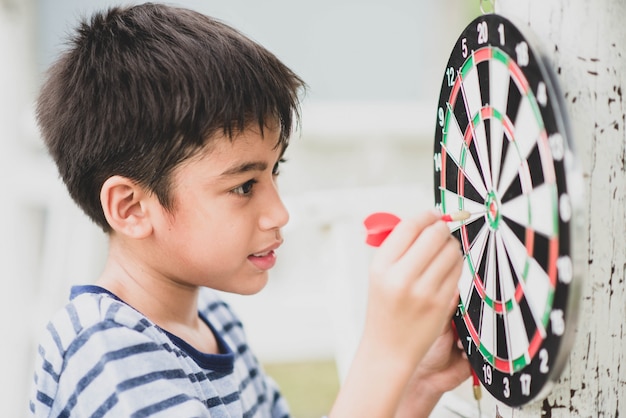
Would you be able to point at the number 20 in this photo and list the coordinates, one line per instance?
(483, 32)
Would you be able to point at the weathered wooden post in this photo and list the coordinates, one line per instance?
(586, 44)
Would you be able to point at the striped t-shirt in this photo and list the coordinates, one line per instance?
(101, 358)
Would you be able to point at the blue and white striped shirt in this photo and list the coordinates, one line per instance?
(101, 358)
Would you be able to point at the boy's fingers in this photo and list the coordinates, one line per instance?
(403, 236)
(427, 248)
(441, 279)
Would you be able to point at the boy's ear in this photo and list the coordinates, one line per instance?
(125, 205)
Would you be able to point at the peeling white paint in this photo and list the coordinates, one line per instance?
(586, 43)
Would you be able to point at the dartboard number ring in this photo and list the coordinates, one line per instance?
(501, 152)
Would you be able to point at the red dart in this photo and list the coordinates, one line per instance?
(378, 226)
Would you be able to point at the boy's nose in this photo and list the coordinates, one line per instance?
(274, 213)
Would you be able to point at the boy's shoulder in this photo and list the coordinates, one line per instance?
(97, 346)
(93, 305)
(90, 313)
(93, 308)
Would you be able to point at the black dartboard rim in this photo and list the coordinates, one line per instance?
(510, 164)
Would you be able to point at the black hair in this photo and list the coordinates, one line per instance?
(143, 88)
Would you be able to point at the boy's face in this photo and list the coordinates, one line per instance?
(225, 225)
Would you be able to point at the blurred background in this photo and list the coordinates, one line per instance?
(374, 70)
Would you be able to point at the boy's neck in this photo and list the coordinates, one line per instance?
(170, 305)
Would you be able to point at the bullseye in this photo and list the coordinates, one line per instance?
(492, 211)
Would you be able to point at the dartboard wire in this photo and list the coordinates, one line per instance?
(455, 226)
(509, 341)
(505, 315)
(489, 285)
(491, 308)
(475, 208)
(520, 338)
(514, 361)
(494, 148)
(479, 187)
(488, 261)
(528, 117)
(512, 294)
(506, 365)
(514, 161)
(542, 203)
(523, 209)
(477, 136)
(463, 143)
(499, 79)
(508, 306)
(480, 141)
(475, 256)
(484, 166)
(494, 54)
(470, 249)
(465, 155)
(508, 240)
(509, 291)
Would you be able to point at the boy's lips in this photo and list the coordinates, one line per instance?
(264, 259)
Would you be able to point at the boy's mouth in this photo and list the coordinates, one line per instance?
(264, 260)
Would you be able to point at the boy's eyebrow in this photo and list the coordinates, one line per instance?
(245, 167)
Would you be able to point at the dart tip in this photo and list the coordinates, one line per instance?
(456, 216)
(477, 392)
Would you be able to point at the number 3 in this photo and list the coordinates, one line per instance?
(507, 389)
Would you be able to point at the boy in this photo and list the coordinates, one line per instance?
(168, 129)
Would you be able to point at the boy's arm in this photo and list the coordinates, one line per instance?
(412, 295)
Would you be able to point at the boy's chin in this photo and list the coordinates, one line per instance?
(249, 286)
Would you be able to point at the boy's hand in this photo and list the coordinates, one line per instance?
(444, 367)
(412, 295)
(413, 287)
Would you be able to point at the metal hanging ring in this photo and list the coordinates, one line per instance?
(490, 9)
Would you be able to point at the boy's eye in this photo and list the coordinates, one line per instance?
(276, 169)
(245, 189)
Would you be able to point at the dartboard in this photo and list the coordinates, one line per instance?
(502, 152)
